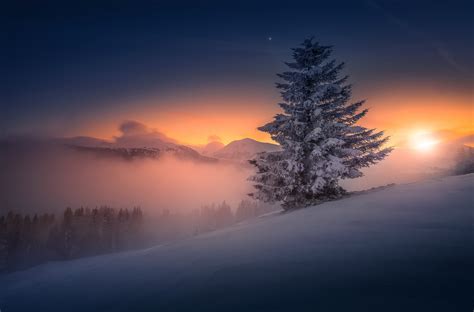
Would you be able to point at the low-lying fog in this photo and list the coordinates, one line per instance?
(46, 177)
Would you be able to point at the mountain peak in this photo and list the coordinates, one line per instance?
(244, 149)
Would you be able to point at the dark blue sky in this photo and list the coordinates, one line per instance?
(68, 60)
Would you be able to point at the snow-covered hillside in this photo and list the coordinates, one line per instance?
(244, 149)
(404, 248)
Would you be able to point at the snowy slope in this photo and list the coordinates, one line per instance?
(404, 248)
(244, 149)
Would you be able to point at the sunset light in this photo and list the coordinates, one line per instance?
(423, 141)
(253, 156)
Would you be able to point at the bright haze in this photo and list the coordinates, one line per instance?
(153, 74)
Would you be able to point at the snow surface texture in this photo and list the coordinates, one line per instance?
(404, 248)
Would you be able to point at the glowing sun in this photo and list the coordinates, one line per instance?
(423, 141)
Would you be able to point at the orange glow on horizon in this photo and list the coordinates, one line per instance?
(447, 116)
(191, 120)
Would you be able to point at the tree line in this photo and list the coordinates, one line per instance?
(212, 217)
(29, 240)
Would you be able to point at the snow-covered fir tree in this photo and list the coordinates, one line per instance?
(318, 132)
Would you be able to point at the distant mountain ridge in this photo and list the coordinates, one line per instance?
(244, 149)
(154, 148)
(240, 150)
(130, 153)
(83, 141)
(208, 149)
(133, 149)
